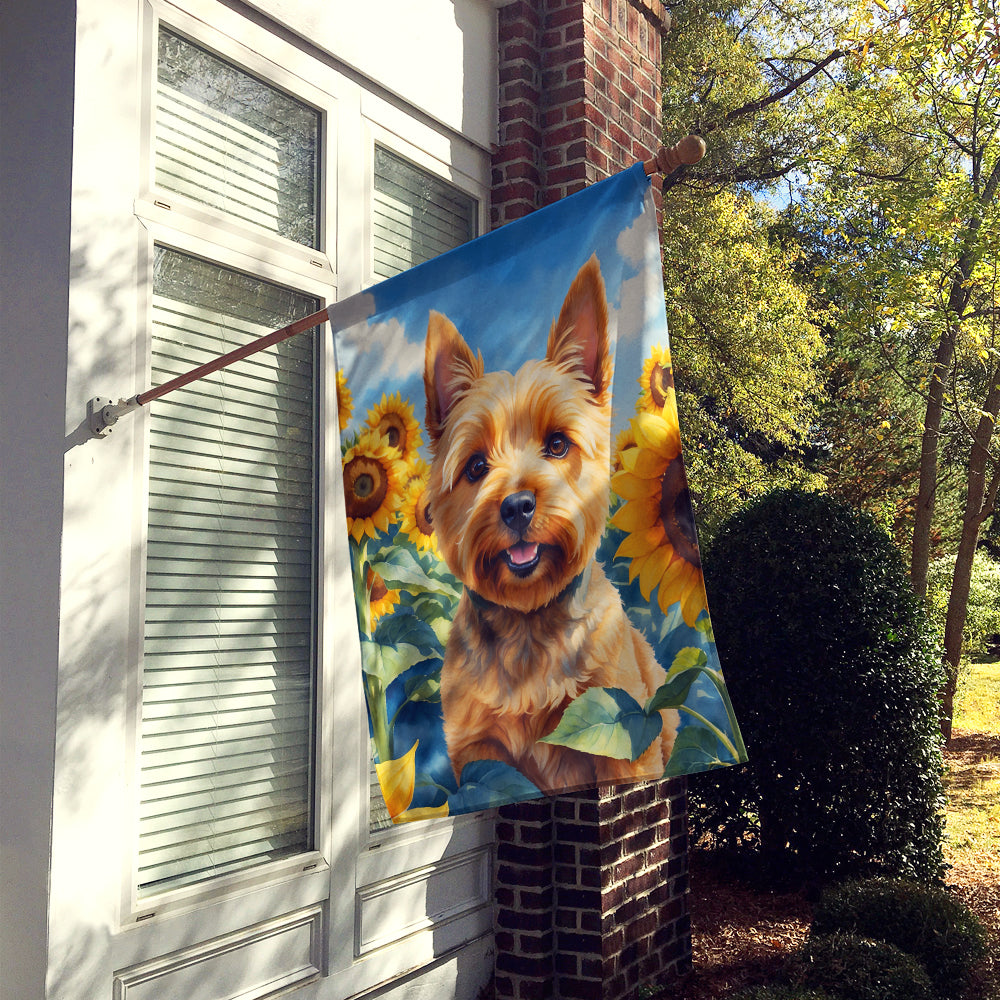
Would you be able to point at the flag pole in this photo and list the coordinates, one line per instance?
(687, 152)
(103, 413)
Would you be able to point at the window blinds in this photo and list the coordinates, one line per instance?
(227, 680)
(225, 139)
(416, 216)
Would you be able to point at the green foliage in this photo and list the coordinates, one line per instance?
(983, 611)
(747, 353)
(780, 992)
(834, 673)
(924, 921)
(738, 72)
(857, 968)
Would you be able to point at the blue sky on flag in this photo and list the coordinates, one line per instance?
(502, 307)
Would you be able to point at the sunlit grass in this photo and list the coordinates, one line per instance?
(973, 813)
(977, 706)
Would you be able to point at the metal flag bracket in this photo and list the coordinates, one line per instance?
(103, 413)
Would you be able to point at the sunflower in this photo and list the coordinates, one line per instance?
(415, 515)
(624, 441)
(661, 541)
(417, 470)
(345, 405)
(394, 418)
(373, 480)
(656, 383)
(381, 600)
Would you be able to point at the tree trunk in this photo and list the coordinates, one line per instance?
(958, 300)
(920, 552)
(979, 500)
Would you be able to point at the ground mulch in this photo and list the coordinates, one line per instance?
(742, 934)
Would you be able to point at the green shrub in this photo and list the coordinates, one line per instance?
(856, 968)
(834, 673)
(925, 922)
(782, 993)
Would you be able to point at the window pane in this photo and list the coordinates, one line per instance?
(228, 658)
(416, 215)
(228, 140)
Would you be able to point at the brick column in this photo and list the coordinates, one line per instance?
(579, 96)
(591, 889)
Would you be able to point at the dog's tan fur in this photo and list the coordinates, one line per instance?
(542, 623)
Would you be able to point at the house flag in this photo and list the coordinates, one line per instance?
(528, 585)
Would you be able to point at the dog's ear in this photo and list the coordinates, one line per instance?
(579, 338)
(450, 368)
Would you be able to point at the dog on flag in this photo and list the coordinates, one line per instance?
(518, 496)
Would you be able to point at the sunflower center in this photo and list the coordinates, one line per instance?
(391, 425)
(660, 381)
(422, 518)
(365, 486)
(675, 512)
(376, 585)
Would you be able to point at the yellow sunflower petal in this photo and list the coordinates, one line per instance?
(654, 433)
(672, 583)
(640, 543)
(635, 566)
(693, 601)
(421, 812)
(637, 515)
(632, 487)
(645, 463)
(653, 569)
(397, 778)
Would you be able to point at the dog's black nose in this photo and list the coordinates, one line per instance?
(518, 509)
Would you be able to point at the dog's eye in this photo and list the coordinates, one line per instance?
(557, 445)
(476, 467)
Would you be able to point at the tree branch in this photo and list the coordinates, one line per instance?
(754, 106)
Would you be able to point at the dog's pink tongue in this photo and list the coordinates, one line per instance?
(523, 552)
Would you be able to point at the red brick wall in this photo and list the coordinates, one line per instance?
(579, 96)
(591, 893)
(591, 889)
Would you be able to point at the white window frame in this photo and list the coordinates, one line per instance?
(180, 224)
(352, 873)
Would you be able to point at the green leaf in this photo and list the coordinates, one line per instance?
(400, 570)
(427, 688)
(704, 625)
(488, 783)
(386, 663)
(695, 749)
(607, 722)
(405, 627)
(430, 607)
(688, 658)
(674, 691)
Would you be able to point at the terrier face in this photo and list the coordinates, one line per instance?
(519, 481)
